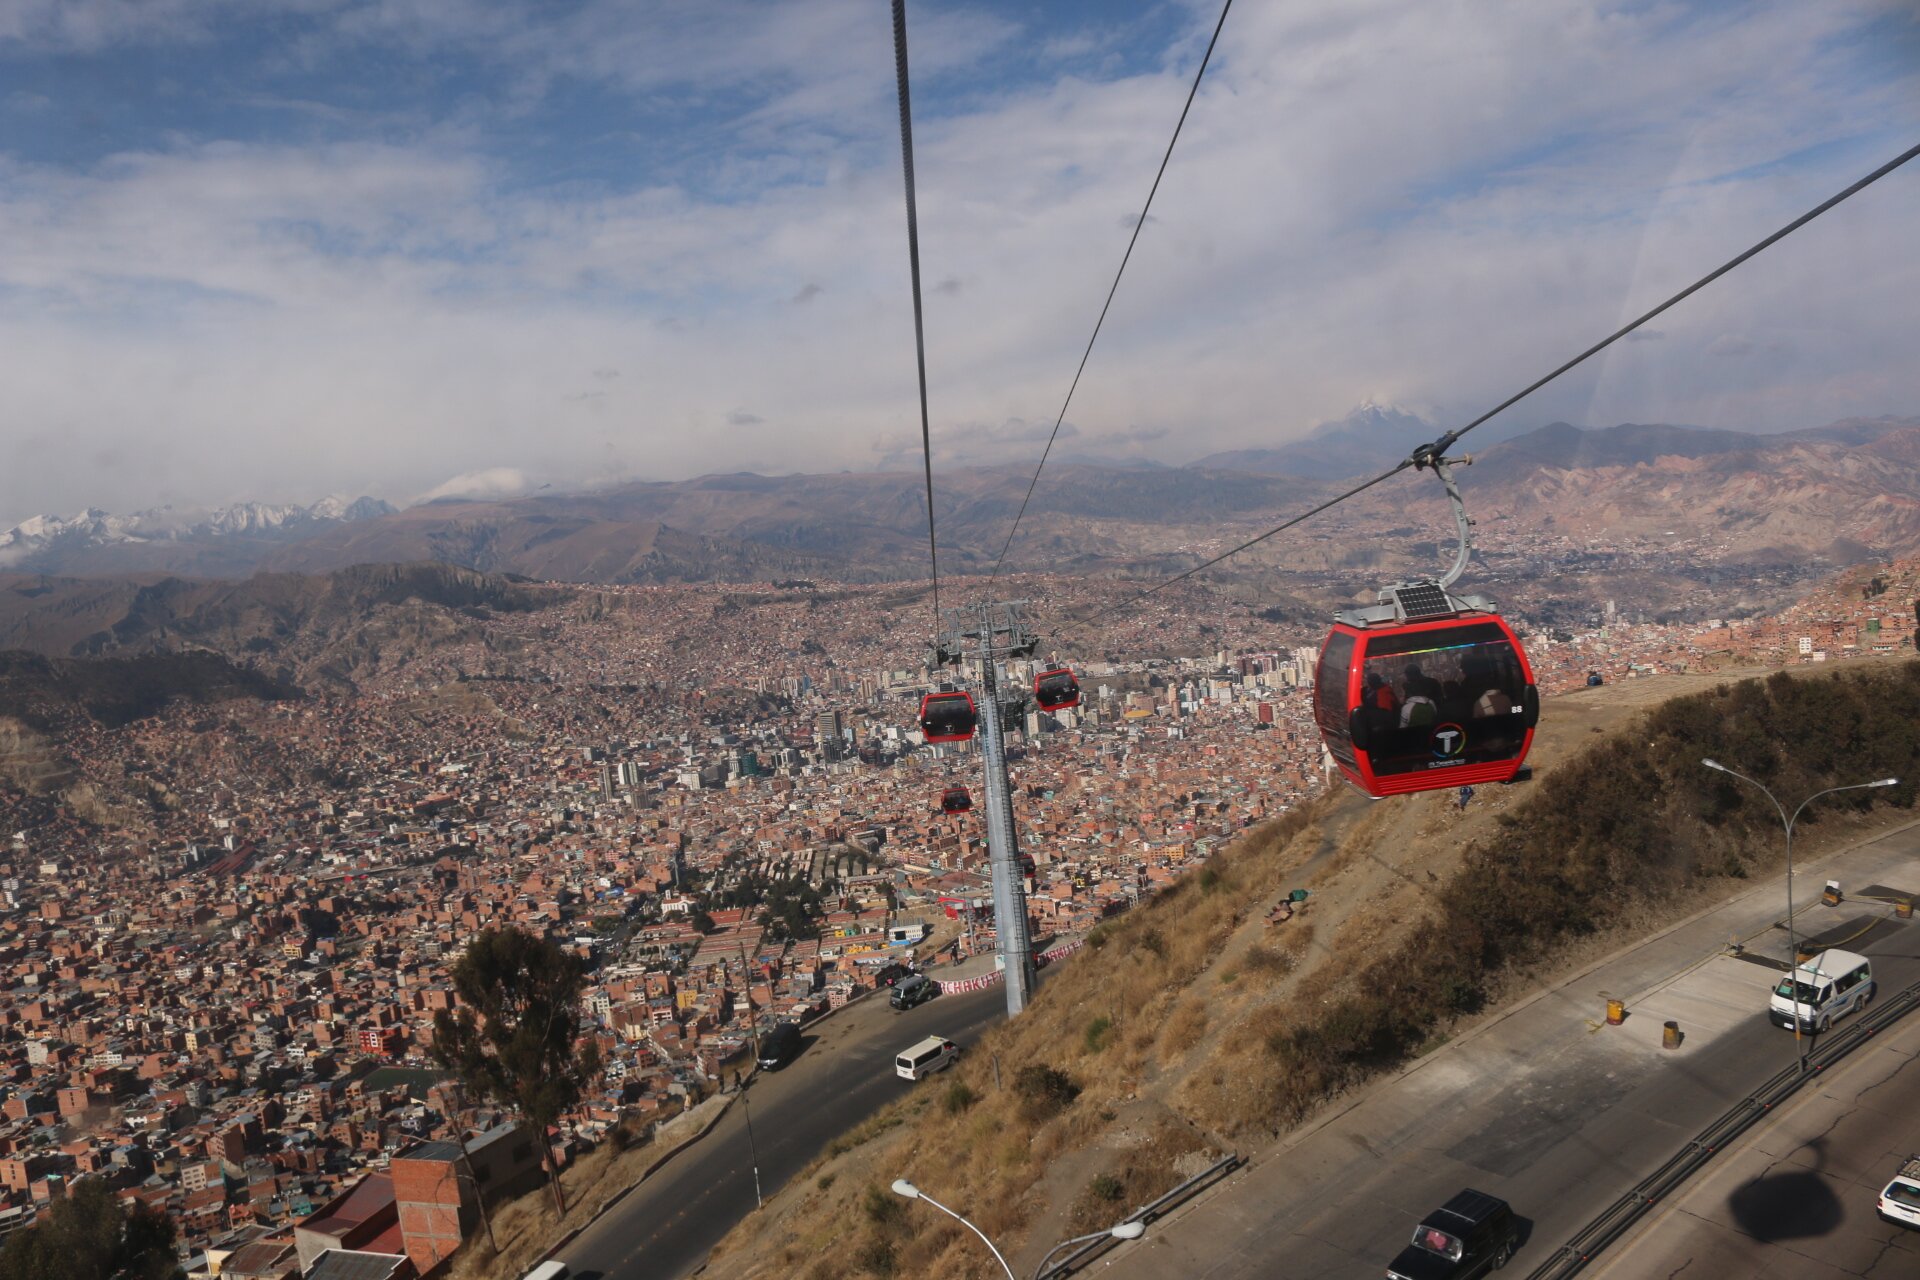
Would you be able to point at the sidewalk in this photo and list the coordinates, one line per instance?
(1544, 1104)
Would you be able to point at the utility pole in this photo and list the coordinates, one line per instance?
(753, 1024)
(999, 634)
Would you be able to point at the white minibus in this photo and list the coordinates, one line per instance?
(928, 1056)
(1822, 989)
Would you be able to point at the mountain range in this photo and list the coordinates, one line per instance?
(306, 629)
(1843, 491)
(206, 543)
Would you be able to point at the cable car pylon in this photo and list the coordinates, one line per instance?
(995, 632)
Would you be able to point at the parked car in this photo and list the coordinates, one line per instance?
(1900, 1202)
(911, 991)
(893, 973)
(779, 1046)
(1469, 1235)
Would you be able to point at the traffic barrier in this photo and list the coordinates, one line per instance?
(954, 986)
(1143, 1215)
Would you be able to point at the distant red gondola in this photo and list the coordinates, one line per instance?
(1056, 690)
(948, 717)
(955, 800)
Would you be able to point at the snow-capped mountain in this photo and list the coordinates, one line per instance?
(92, 527)
(262, 517)
(47, 542)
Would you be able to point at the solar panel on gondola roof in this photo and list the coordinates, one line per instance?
(1423, 600)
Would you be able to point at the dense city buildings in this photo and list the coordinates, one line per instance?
(228, 928)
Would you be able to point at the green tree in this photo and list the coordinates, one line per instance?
(514, 1037)
(91, 1236)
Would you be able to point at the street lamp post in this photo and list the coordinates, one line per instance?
(1789, 822)
(1118, 1231)
(753, 1150)
(901, 1187)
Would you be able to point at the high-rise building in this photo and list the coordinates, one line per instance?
(827, 733)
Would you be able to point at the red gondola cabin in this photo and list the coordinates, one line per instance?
(955, 800)
(948, 717)
(1056, 690)
(1425, 691)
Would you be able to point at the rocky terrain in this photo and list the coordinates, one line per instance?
(1671, 522)
(295, 628)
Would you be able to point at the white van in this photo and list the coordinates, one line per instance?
(555, 1270)
(935, 1053)
(1829, 985)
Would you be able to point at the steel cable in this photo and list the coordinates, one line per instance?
(1115, 288)
(1447, 439)
(913, 259)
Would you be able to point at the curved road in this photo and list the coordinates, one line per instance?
(844, 1074)
(1544, 1105)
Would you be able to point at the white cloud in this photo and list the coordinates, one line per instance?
(493, 482)
(1405, 199)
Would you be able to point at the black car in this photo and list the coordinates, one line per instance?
(912, 991)
(1469, 1235)
(779, 1046)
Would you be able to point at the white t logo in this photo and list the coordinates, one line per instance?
(1447, 738)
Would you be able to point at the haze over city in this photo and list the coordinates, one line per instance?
(271, 251)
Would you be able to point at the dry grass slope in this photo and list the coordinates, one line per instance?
(1192, 1026)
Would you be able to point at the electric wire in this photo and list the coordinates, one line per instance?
(913, 259)
(1447, 439)
(1115, 288)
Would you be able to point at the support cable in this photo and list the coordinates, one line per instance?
(1426, 453)
(913, 258)
(1124, 259)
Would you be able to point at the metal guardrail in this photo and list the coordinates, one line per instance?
(1144, 1214)
(1619, 1217)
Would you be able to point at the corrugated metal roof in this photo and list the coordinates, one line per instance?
(346, 1264)
(443, 1151)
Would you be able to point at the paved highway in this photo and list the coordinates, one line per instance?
(1795, 1200)
(1546, 1106)
(843, 1075)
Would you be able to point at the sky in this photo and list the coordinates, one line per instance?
(276, 249)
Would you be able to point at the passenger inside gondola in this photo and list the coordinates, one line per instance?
(1457, 692)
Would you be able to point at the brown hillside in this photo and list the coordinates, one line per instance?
(1192, 1026)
